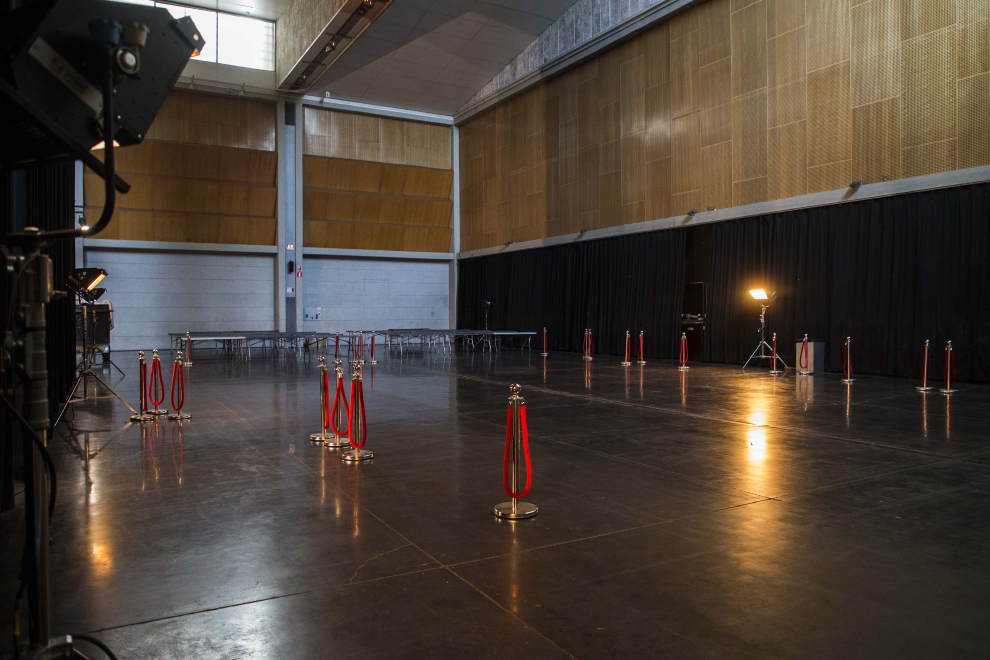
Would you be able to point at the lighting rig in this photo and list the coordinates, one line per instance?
(73, 74)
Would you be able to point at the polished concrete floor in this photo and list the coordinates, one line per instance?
(712, 514)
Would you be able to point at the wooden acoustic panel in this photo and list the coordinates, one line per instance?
(359, 176)
(733, 102)
(363, 236)
(216, 120)
(139, 225)
(186, 195)
(337, 134)
(196, 161)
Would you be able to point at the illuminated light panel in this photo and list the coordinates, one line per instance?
(758, 294)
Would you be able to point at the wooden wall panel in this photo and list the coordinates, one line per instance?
(215, 120)
(733, 102)
(336, 134)
(380, 206)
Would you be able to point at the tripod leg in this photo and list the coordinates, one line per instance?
(753, 356)
(122, 374)
(68, 401)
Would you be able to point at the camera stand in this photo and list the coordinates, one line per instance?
(763, 346)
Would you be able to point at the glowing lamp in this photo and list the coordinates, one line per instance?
(758, 294)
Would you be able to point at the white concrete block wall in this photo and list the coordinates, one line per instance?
(372, 294)
(155, 293)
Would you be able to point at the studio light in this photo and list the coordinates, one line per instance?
(84, 279)
(758, 294)
(855, 185)
(692, 212)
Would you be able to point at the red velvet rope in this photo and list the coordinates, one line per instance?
(640, 347)
(846, 361)
(508, 453)
(684, 350)
(156, 368)
(372, 349)
(950, 368)
(357, 393)
(627, 348)
(591, 344)
(144, 393)
(325, 399)
(177, 369)
(803, 358)
(338, 395)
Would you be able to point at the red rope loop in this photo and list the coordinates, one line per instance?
(325, 398)
(591, 344)
(641, 347)
(627, 347)
(156, 368)
(340, 398)
(684, 350)
(144, 393)
(372, 348)
(357, 394)
(774, 358)
(177, 369)
(508, 453)
(803, 358)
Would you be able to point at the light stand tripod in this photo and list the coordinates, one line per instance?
(763, 346)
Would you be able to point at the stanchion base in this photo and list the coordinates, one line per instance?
(848, 380)
(805, 373)
(585, 357)
(178, 417)
(147, 417)
(543, 354)
(776, 373)
(336, 442)
(318, 437)
(157, 412)
(523, 510)
(925, 389)
(641, 363)
(356, 455)
(947, 392)
(683, 368)
(626, 364)
(372, 361)
(187, 364)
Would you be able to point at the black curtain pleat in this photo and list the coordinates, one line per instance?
(610, 285)
(888, 273)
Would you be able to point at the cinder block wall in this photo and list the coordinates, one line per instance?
(155, 293)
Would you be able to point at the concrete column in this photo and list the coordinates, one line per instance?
(298, 192)
(79, 204)
(280, 254)
(455, 222)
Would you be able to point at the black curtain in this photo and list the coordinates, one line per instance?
(42, 196)
(610, 285)
(889, 273)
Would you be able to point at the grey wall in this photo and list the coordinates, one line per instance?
(371, 294)
(154, 293)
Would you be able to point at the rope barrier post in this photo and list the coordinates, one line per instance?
(188, 362)
(773, 361)
(324, 402)
(372, 360)
(641, 361)
(584, 346)
(803, 358)
(684, 353)
(357, 428)
(950, 371)
(847, 368)
(591, 345)
(153, 385)
(516, 451)
(544, 353)
(178, 415)
(142, 415)
(627, 362)
(339, 413)
(924, 373)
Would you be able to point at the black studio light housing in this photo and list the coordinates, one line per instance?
(84, 279)
(54, 66)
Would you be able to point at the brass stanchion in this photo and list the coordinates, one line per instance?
(774, 371)
(324, 402)
(589, 345)
(847, 368)
(188, 362)
(950, 371)
(357, 427)
(516, 451)
(924, 373)
(544, 353)
(340, 413)
(178, 415)
(803, 358)
(142, 415)
(684, 353)
(372, 360)
(641, 362)
(156, 369)
(626, 362)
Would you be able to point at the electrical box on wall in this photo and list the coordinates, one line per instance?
(312, 313)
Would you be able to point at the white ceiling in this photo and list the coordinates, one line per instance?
(267, 9)
(434, 55)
